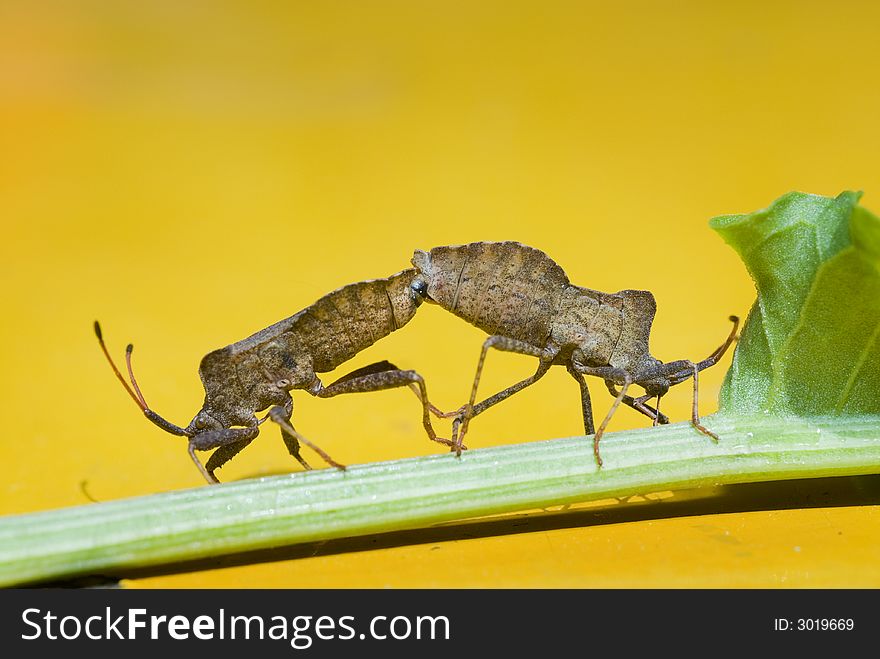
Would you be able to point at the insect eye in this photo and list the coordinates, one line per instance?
(201, 423)
(281, 384)
(419, 287)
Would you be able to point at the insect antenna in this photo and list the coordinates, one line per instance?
(134, 390)
(719, 352)
(139, 400)
(128, 350)
(684, 374)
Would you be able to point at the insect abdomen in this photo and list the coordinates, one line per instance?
(503, 288)
(342, 323)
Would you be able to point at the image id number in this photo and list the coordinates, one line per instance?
(813, 624)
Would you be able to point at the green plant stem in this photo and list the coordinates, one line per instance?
(110, 538)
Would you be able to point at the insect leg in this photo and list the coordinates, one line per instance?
(468, 412)
(228, 442)
(586, 403)
(278, 414)
(291, 442)
(615, 375)
(507, 345)
(678, 372)
(223, 455)
(640, 405)
(364, 380)
(657, 410)
(385, 366)
(695, 411)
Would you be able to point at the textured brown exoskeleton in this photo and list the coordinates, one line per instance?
(258, 372)
(524, 300)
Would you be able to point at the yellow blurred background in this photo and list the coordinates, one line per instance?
(190, 172)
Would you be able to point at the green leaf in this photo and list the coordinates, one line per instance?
(811, 343)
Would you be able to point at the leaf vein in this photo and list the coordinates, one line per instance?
(860, 363)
